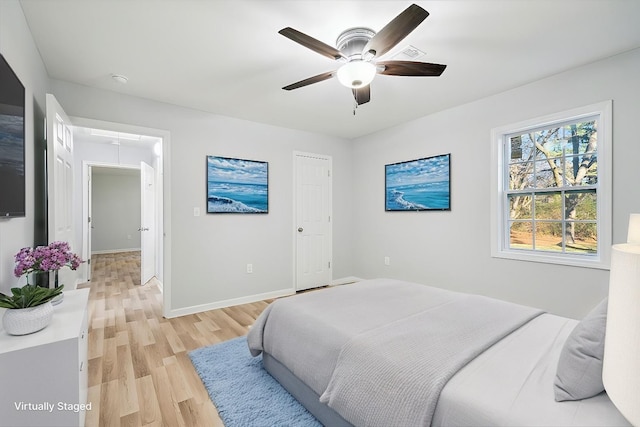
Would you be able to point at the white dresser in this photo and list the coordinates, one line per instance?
(43, 376)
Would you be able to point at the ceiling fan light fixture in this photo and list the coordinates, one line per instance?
(356, 74)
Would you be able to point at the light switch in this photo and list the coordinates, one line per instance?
(196, 211)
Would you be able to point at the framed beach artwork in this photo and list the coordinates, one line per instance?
(419, 185)
(237, 185)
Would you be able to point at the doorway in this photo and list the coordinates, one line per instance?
(121, 188)
(64, 206)
(121, 215)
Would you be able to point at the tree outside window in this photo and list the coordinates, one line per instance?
(552, 188)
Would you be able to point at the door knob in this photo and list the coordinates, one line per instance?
(143, 229)
(300, 229)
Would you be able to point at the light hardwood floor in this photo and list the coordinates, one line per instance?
(139, 370)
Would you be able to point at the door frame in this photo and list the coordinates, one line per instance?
(163, 175)
(294, 225)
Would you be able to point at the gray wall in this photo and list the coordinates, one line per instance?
(448, 249)
(115, 215)
(18, 48)
(209, 253)
(452, 249)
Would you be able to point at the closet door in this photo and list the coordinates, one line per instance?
(313, 220)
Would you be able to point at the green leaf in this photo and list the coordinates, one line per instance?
(29, 296)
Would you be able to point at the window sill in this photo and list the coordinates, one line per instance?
(596, 262)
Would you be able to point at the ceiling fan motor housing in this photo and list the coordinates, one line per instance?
(351, 42)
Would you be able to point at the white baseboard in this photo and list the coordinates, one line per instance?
(228, 303)
(115, 251)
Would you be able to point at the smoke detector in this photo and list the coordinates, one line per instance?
(119, 78)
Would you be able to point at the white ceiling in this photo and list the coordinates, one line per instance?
(226, 56)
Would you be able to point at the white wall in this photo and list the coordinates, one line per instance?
(115, 216)
(209, 253)
(452, 249)
(18, 48)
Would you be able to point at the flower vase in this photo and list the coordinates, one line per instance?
(23, 321)
(39, 278)
(58, 299)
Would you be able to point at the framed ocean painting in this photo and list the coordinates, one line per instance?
(419, 185)
(237, 185)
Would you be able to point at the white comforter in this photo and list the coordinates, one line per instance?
(390, 364)
(393, 375)
(509, 384)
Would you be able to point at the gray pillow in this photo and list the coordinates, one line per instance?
(579, 373)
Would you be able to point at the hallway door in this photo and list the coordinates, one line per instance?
(148, 228)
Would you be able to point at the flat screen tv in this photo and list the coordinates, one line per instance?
(12, 157)
(419, 185)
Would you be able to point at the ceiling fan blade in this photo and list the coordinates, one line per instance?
(396, 30)
(410, 68)
(310, 80)
(362, 95)
(311, 43)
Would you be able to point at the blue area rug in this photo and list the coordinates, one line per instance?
(244, 393)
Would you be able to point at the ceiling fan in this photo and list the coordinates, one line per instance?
(358, 49)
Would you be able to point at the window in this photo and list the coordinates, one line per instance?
(552, 188)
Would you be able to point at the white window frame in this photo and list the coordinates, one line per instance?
(499, 209)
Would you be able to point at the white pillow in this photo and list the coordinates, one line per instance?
(579, 373)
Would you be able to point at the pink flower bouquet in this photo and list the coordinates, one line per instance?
(46, 258)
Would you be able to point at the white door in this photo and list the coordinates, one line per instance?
(89, 224)
(148, 227)
(313, 220)
(60, 167)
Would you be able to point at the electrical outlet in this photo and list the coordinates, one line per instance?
(249, 268)
(387, 260)
(129, 237)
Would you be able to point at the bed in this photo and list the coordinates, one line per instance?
(387, 352)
